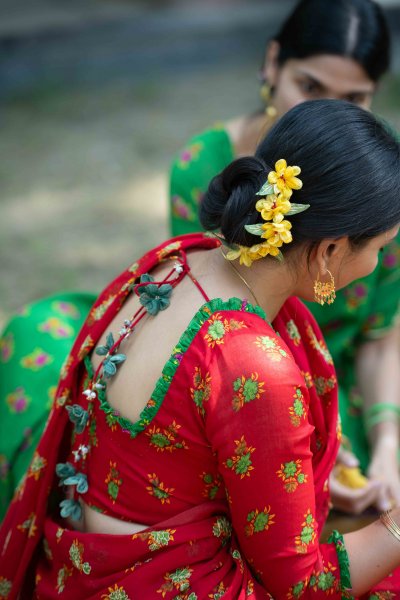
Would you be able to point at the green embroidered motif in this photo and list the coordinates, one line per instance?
(36, 467)
(201, 390)
(166, 439)
(178, 580)
(222, 529)
(47, 550)
(296, 591)
(160, 539)
(292, 475)
(5, 587)
(293, 332)
(326, 581)
(218, 592)
(87, 345)
(116, 593)
(98, 312)
(212, 484)
(216, 331)
(76, 556)
(308, 533)
(319, 345)
(324, 385)
(113, 481)
(241, 463)
(271, 347)
(246, 390)
(297, 411)
(158, 489)
(259, 521)
(219, 327)
(62, 577)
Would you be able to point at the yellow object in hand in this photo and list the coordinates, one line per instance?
(351, 477)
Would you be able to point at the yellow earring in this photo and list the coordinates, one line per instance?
(325, 292)
(266, 94)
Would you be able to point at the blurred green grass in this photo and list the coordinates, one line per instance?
(84, 172)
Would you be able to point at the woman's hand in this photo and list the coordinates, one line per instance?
(349, 499)
(384, 469)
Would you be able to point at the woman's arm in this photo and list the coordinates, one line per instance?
(378, 376)
(257, 423)
(373, 553)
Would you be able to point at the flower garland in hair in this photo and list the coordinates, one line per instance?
(274, 206)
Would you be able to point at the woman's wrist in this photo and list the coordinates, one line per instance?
(384, 438)
(381, 413)
(390, 523)
(382, 425)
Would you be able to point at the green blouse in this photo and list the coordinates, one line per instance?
(192, 170)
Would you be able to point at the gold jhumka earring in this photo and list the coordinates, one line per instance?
(325, 292)
(266, 94)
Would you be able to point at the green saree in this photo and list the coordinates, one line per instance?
(33, 348)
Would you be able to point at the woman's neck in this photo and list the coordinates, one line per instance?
(246, 132)
(267, 282)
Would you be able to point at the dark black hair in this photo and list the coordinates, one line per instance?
(352, 28)
(350, 168)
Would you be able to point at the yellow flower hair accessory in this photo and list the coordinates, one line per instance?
(274, 206)
(284, 178)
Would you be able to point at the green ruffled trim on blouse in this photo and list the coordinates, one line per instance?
(344, 564)
(171, 366)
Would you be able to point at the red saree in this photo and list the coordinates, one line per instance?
(228, 464)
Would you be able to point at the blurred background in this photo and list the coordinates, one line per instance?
(96, 97)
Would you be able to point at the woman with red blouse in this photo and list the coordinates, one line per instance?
(195, 425)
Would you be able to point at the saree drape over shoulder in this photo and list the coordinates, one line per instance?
(228, 465)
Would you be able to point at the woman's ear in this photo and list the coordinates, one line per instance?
(329, 254)
(270, 69)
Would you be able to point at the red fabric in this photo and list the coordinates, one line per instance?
(240, 492)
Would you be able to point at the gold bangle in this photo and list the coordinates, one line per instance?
(390, 525)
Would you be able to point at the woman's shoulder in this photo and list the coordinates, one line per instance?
(235, 331)
(213, 142)
(233, 348)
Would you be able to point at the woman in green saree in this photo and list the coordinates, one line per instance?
(336, 49)
(33, 347)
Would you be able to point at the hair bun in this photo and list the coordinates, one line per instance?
(230, 195)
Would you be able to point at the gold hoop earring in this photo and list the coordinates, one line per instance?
(266, 95)
(324, 292)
